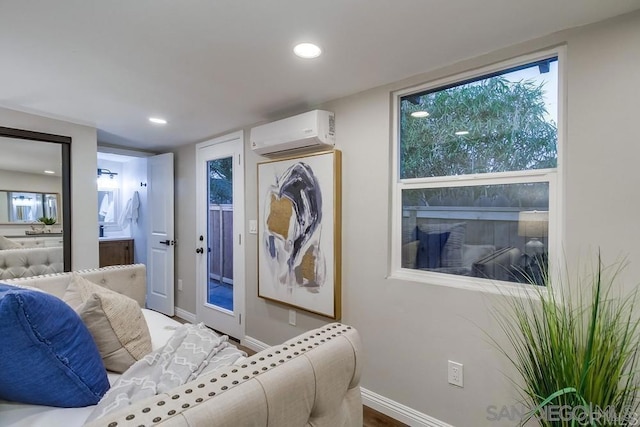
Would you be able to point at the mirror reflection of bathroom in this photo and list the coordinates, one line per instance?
(122, 198)
(27, 206)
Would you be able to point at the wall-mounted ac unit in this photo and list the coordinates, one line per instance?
(314, 130)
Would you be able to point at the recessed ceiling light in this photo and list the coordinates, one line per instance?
(462, 132)
(157, 120)
(307, 50)
(420, 114)
(49, 172)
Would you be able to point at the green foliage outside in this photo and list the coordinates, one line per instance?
(221, 181)
(508, 131)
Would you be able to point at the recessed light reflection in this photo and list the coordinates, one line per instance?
(462, 132)
(307, 50)
(157, 120)
(49, 172)
(420, 114)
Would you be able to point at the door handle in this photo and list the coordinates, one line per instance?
(168, 242)
(199, 250)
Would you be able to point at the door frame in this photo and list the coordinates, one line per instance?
(233, 144)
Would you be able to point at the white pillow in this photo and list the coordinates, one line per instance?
(114, 320)
(8, 244)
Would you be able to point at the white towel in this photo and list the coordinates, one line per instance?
(131, 210)
(135, 207)
(106, 209)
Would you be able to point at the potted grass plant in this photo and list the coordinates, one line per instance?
(575, 347)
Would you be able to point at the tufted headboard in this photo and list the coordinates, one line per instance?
(27, 262)
(129, 280)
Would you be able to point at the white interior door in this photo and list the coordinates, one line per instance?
(220, 228)
(160, 235)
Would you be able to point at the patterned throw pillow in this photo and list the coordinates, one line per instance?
(115, 321)
(47, 355)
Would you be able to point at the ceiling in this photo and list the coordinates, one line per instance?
(210, 66)
(30, 157)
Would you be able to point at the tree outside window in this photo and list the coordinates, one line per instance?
(495, 130)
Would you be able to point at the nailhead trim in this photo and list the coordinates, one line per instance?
(237, 376)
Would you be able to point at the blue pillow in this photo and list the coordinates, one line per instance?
(430, 248)
(47, 355)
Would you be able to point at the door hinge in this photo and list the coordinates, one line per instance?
(240, 318)
(239, 239)
(239, 161)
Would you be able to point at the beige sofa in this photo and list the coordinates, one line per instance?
(312, 379)
(27, 262)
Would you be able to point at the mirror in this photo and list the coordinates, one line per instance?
(28, 192)
(26, 207)
(108, 207)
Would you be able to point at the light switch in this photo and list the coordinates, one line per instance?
(253, 226)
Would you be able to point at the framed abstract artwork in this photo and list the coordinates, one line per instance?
(299, 218)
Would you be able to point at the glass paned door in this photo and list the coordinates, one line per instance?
(219, 227)
(220, 233)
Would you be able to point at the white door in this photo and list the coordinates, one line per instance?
(220, 234)
(160, 237)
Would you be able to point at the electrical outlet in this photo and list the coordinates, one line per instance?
(179, 284)
(292, 317)
(455, 373)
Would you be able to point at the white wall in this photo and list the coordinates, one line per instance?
(30, 182)
(84, 204)
(185, 226)
(410, 330)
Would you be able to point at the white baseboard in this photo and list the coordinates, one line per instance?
(184, 314)
(399, 411)
(254, 344)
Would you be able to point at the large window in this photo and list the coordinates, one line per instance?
(476, 174)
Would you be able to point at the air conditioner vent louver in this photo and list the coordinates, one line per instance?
(310, 131)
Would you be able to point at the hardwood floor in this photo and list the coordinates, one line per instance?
(373, 418)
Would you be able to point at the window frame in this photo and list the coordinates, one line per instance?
(553, 176)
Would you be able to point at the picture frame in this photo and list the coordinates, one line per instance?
(300, 232)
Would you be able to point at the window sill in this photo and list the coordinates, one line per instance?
(468, 283)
